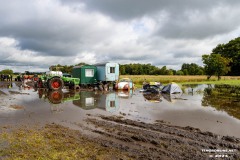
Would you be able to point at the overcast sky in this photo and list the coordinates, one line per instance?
(35, 34)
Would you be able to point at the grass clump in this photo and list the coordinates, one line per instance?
(53, 142)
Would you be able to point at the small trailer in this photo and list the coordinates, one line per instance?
(107, 73)
(87, 74)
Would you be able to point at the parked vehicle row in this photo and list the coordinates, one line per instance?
(99, 76)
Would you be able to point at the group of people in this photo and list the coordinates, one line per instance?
(6, 77)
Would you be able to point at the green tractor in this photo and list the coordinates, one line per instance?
(55, 80)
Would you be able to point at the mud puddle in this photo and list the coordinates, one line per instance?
(24, 104)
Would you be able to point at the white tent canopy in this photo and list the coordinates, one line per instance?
(172, 88)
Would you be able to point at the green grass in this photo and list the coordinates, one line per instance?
(50, 143)
(139, 79)
(227, 81)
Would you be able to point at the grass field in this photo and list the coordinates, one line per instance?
(139, 79)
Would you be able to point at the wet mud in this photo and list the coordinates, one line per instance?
(2, 93)
(160, 140)
(112, 137)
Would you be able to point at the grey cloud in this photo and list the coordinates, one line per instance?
(17, 63)
(183, 54)
(58, 33)
(125, 9)
(179, 25)
(63, 31)
(204, 24)
(47, 40)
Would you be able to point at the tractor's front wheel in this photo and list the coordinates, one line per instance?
(55, 83)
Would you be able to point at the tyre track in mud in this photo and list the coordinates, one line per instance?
(160, 140)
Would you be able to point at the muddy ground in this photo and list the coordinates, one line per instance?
(112, 137)
(115, 138)
(160, 140)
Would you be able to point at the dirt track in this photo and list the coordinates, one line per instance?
(116, 138)
(161, 140)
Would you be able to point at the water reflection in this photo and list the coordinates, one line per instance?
(90, 100)
(87, 100)
(152, 97)
(172, 97)
(223, 102)
(6, 85)
(223, 98)
(27, 85)
(125, 93)
(57, 97)
(192, 89)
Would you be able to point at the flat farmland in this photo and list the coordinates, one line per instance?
(139, 79)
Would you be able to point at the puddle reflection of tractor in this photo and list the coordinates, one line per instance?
(57, 96)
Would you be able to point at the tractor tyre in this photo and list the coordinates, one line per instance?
(55, 96)
(55, 83)
(76, 87)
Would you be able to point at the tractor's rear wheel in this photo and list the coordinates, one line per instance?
(55, 83)
(55, 97)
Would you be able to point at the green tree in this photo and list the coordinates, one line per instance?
(7, 71)
(163, 70)
(192, 69)
(144, 69)
(81, 64)
(185, 72)
(179, 72)
(230, 50)
(122, 70)
(215, 64)
(169, 72)
(64, 69)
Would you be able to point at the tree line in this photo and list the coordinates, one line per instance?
(148, 69)
(143, 69)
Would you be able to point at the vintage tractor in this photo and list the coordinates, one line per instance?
(54, 80)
